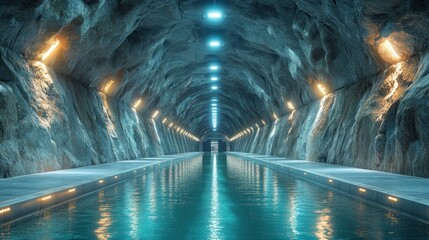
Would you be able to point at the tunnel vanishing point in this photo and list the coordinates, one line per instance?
(94, 81)
(88, 82)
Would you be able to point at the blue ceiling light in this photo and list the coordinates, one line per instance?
(214, 78)
(214, 15)
(214, 87)
(214, 43)
(214, 67)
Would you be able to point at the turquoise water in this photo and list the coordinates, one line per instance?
(216, 198)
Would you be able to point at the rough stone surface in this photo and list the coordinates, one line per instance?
(275, 51)
(49, 122)
(368, 125)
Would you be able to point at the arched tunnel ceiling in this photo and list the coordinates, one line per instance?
(157, 49)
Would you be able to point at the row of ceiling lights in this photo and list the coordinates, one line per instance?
(214, 16)
(386, 50)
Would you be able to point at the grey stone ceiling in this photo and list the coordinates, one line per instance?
(275, 51)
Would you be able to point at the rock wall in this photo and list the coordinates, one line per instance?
(378, 123)
(49, 122)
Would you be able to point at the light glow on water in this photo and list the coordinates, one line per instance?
(216, 198)
(214, 204)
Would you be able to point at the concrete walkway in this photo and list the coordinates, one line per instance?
(405, 193)
(24, 195)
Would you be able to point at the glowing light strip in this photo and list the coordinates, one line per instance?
(46, 198)
(362, 190)
(101, 181)
(330, 180)
(321, 88)
(391, 49)
(155, 114)
(137, 103)
(290, 106)
(275, 116)
(214, 44)
(4, 210)
(214, 15)
(72, 190)
(107, 86)
(50, 50)
(392, 198)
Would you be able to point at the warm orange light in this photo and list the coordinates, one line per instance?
(4, 210)
(101, 181)
(290, 106)
(72, 190)
(321, 89)
(155, 114)
(137, 103)
(54, 45)
(164, 120)
(107, 86)
(392, 199)
(388, 45)
(275, 116)
(362, 190)
(46, 198)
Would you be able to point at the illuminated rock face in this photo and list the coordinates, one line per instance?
(275, 51)
(48, 122)
(370, 125)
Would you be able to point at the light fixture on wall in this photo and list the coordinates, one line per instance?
(108, 85)
(275, 117)
(155, 114)
(322, 89)
(137, 103)
(52, 48)
(290, 105)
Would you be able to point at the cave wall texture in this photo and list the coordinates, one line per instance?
(276, 51)
(48, 122)
(380, 123)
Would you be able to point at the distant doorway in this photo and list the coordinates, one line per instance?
(214, 146)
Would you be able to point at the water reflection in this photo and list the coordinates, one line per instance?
(214, 204)
(216, 198)
(105, 220)
(324, 225)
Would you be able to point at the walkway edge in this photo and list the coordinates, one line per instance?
(28, 204)
(391, 199)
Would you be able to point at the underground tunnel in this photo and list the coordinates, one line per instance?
(201, 119)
